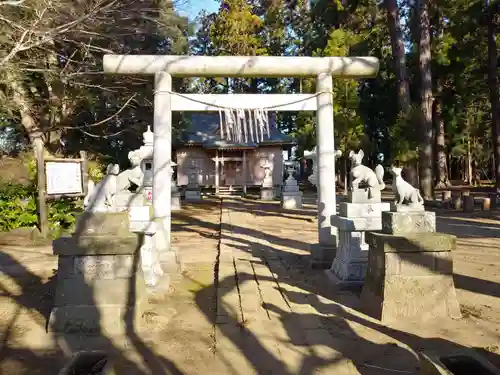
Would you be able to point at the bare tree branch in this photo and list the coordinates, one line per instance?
(12, 2)
(114, 115)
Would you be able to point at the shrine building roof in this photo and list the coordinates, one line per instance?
(204, 131)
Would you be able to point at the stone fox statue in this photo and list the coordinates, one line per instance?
(403, 191)
(102, 194)
(361, 173)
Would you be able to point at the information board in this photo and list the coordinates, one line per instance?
(63, 177)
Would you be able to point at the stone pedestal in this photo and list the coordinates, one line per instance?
(322, 255)
(176, 200)
(267, 193)
(354, 220)
(192, 193)
(410, 269)
(291, 196)
(98, 287)
(278, 191)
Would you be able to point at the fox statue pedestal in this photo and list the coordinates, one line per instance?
(410, 266)
(98, 278)
(357, 216)
(361, 213)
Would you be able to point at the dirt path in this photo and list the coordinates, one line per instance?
(248, 303)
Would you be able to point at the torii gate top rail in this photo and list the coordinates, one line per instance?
(242, 66)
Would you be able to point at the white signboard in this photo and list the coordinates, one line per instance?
(63, 177)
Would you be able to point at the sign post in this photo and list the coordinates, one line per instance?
(58, 178)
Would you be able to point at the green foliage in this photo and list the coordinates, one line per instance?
(18, 209)
(96, 171)
(404, 137)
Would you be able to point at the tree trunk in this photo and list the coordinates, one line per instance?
(469, 162)
(441, 157)
(493, 86)
(426, 100)
(398, 54)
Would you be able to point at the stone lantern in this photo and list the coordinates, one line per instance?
(267, 188)
(176, 194)
(291, 196)
(193, 190)
(312, 155)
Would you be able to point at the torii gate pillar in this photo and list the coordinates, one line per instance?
(322, 68)
(327, 235)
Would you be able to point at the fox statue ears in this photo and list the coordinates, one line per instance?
(360, 153)
(396, 170)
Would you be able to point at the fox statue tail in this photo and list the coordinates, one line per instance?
(419, 197)
(379, 172)
(90, 190)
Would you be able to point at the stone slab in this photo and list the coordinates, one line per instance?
(348, 209)
(290, 202)
(406, 207)
(364, 196)
(103, 223)
(408, 222)
(356, 224)
(96, 245)
(412, 242)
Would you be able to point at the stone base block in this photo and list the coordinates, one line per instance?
(464, 361)
(356, 224)
(351, 259)
(347, 209)
(192, 195)
(97, 295)
(99, 289)
(407, 207)
(267, 193)
(343, 283)
(125, 199)
(322, 256)
(410, 277)
(176, 201)
(408, 222)
(364, 196)
(90, 320)
(291, 201)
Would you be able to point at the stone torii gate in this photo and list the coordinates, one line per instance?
(166, 67)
